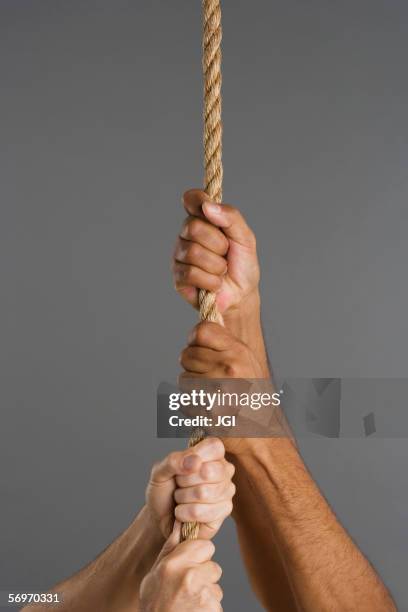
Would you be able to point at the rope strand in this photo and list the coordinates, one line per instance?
(212, 142)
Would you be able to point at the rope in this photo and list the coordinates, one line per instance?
(212, 141)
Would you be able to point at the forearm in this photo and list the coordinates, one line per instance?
(111, 583)
(326, 570)
(260, 553)
(244, 322)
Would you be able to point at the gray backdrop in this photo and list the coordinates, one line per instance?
(100, 112)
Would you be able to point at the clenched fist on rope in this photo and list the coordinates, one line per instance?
(216, 251)
(213, 352)
(192, 485)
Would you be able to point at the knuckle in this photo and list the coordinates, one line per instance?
(218, 570)
(218, 594)
(192, 337)
(193, 251)
(207, 471)
(233, 490)
(177, 274)
(201, 333)
(195, 512)
(230, 370)
(187, 194)
(203, 492)
(178, 286)
(218, 447)
(188, 274)
(188, 580)
(179, 513)
(184, 356)
(177, 269)
(176, 249)
(204, 596)
(207, 548)
(193, 228)
(172, 459)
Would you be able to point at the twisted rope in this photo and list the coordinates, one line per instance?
(212, 141)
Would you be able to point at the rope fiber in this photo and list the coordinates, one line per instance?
(212, 141)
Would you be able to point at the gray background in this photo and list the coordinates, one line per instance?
(100, 112)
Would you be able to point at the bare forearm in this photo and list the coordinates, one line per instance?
(111, 583)
(244, 322)
(325, 568)
(260, 552)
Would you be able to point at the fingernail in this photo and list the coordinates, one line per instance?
(188, 462)
(213, 208)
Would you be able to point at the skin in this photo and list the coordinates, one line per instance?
(183, 578)
(297, 554)
(194, 484)
(217, 251)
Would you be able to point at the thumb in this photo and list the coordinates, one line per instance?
(231, 221)
(176, 464)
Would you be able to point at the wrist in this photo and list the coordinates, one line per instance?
(246, 311)
(143, 541)
(244, 322)
(146, 530)
(261, 450)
